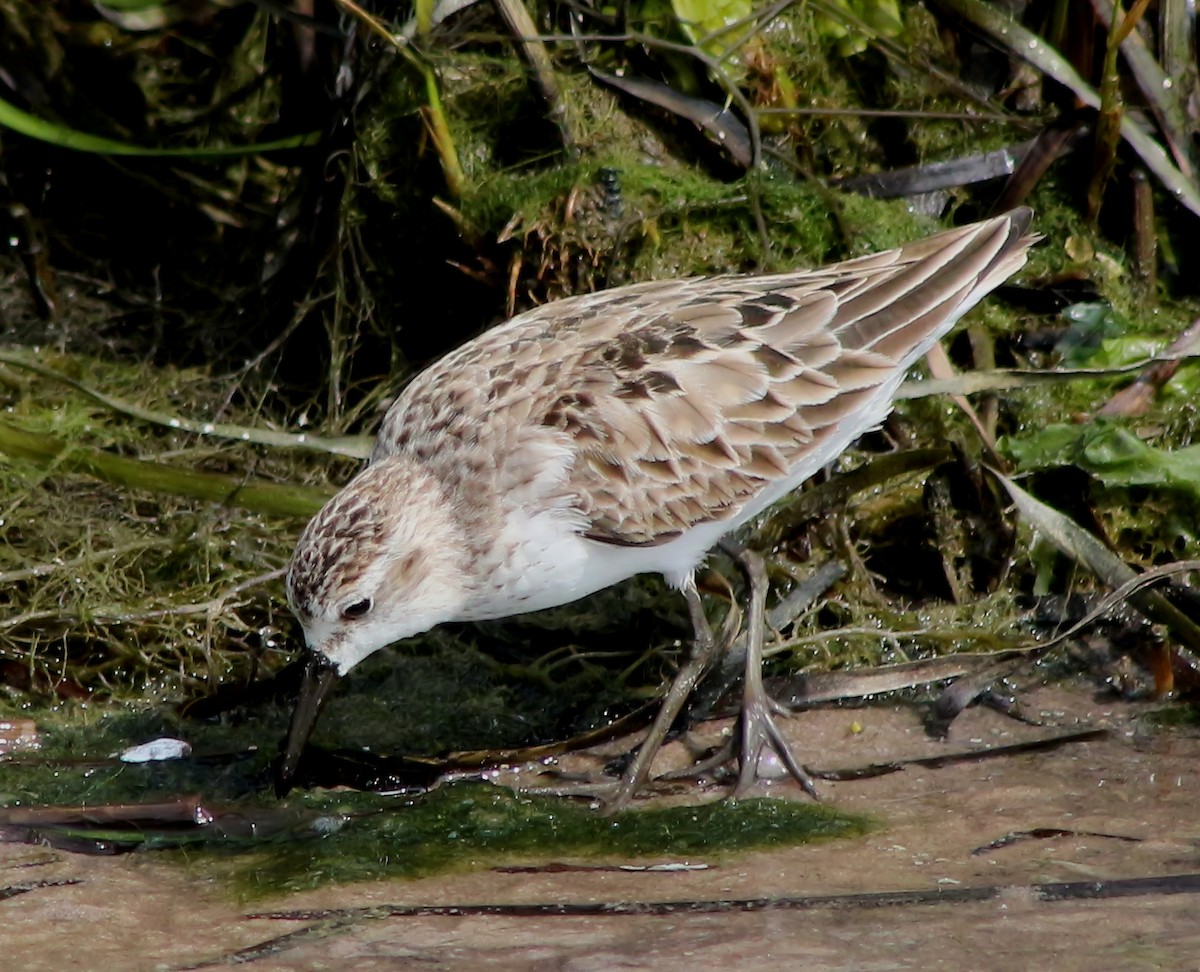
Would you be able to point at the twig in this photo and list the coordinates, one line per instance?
(1166, 98)
(280, 499)
(212, 606)
(353, 446)
(1023, 43)
(1002, 378)
(1135, 399)
(534, 48)
(434, 113)
(42, 570)
(1056, 891)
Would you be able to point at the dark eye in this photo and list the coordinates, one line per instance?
(356, 609)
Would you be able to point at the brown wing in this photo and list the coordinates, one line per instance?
(682, 400)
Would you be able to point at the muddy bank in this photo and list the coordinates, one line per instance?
(1113, 808)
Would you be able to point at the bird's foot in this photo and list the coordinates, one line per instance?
(756, 738)
(758, 732)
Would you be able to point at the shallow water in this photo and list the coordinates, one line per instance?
(937, 829)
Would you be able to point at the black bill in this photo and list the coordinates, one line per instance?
(319, 676)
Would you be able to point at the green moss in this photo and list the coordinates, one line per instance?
(466, 827)
(262, 846)
(114, 589)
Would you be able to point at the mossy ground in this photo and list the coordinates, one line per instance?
(298, 294)
(258, 846)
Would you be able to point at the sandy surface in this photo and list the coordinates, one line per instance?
(136, 912)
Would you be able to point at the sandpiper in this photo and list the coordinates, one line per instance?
(619, 433)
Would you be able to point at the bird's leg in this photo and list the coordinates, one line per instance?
(703, 650)
(756, 725)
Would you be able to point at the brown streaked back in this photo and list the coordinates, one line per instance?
(681, 401)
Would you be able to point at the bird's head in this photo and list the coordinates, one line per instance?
(382, 561)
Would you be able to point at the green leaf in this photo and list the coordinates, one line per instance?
(1111, 453)
(1088, 327)
(44, 131)
(701, 18)
(854, 23)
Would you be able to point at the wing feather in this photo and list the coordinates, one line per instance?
(679, 402)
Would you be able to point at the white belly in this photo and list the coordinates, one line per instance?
(547, 561)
